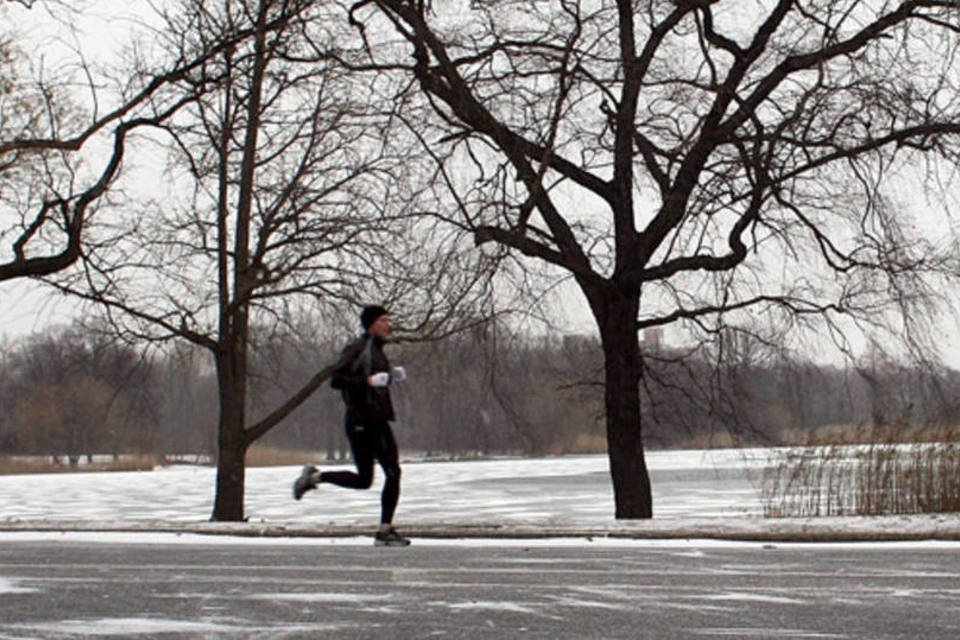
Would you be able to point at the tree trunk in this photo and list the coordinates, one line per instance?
(231, 469)
(234, 312)
(617, 319)
(231, 441)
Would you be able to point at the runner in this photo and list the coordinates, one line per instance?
(363, 376)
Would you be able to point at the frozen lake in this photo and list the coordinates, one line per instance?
(557, 490)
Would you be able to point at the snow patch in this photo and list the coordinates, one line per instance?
(12, 587)
(750, 597)
(333, 598)
(758, 632)
(124, 627)
(565, 602)
(483, 605)
(130, 627)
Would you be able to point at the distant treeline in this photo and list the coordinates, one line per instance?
(72, 391)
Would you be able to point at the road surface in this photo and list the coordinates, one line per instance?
(65, 588)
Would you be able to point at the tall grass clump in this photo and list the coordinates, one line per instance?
(877, 474)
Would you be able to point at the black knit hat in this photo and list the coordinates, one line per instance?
(370, 314)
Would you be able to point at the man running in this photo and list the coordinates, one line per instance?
(363, 375)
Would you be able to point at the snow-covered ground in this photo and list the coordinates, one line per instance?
(697, 494)
(569, 490)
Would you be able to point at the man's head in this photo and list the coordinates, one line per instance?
(376, 321)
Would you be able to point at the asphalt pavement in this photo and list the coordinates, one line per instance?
(66, 588)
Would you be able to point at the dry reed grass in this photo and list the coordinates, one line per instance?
(11, 465)
(581, 444)
(257, 456)
(267, 456)
(885, 476)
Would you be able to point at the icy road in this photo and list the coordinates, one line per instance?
(63, 587)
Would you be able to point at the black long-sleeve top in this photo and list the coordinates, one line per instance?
(359, 360)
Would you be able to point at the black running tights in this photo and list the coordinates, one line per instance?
(371, 443)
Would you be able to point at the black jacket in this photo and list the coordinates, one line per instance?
(360, 359)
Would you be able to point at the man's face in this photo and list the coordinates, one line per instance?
(381, 327)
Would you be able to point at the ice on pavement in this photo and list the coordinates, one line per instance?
(153, 627)
(10, 587)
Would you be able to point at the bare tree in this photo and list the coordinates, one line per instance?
(285, 197)
(60, 156)
(687, 161)
(77, 392)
